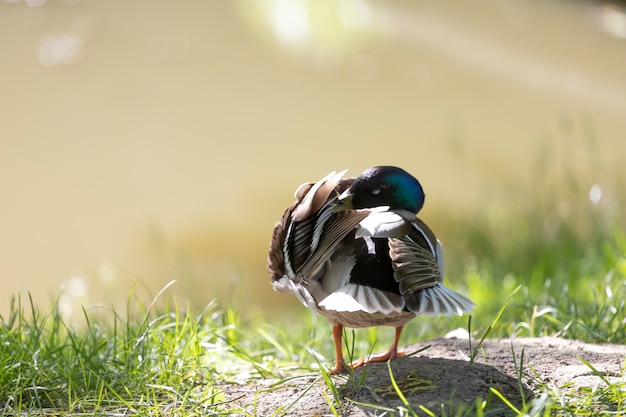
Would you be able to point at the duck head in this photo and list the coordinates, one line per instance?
(385, 186)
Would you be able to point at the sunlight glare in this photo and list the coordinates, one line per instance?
(60, 48)
(354, 14)
(595, 194)
(75, 287)
(290, 21)
(107, 274)
(73, 294)
(65, 306)
(613, 20)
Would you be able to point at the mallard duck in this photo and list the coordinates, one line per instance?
(354, 251)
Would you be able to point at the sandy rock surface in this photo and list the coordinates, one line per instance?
(441, 376)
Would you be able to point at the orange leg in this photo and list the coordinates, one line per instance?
(340, 364)
(392, 353)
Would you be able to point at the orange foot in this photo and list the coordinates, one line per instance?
(384, 357)
(339, 368)
(342, 367)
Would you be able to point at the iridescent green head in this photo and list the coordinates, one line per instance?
(387, 186)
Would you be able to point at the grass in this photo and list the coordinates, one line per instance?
(169, 361)
(565, 274)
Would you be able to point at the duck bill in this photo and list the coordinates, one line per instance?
(345, 200)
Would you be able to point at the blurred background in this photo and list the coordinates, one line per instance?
(147, 141)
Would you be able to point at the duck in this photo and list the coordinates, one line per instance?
(354, 251)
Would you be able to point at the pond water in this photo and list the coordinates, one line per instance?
(151, 140)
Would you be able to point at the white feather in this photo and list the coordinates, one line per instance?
(337, 273)
(380, 224)
(371, 246)
(324, 214)
(442, 300)
(354, 297)
(440, 261)
(287, 286)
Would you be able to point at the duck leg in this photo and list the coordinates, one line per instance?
(392, 353)
(340, 364)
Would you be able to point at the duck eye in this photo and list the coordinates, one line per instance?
(375, 191)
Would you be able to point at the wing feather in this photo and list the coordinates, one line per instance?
(354, 297)
(310, 229)
(417, 259)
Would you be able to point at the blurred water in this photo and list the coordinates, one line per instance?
(154, 140)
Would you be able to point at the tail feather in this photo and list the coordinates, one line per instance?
(439, 300)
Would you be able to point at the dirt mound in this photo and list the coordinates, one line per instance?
(441, 376)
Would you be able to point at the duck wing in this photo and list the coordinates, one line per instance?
(309, 230)
(417, 260)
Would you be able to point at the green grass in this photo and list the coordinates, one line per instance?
(173, 361)
(177, 360)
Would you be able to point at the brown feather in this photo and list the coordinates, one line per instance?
(338, 227)
(276, 258)
(315, 197)
(414, 260)
(301, 218)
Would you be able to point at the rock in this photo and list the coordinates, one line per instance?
(441, 377)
